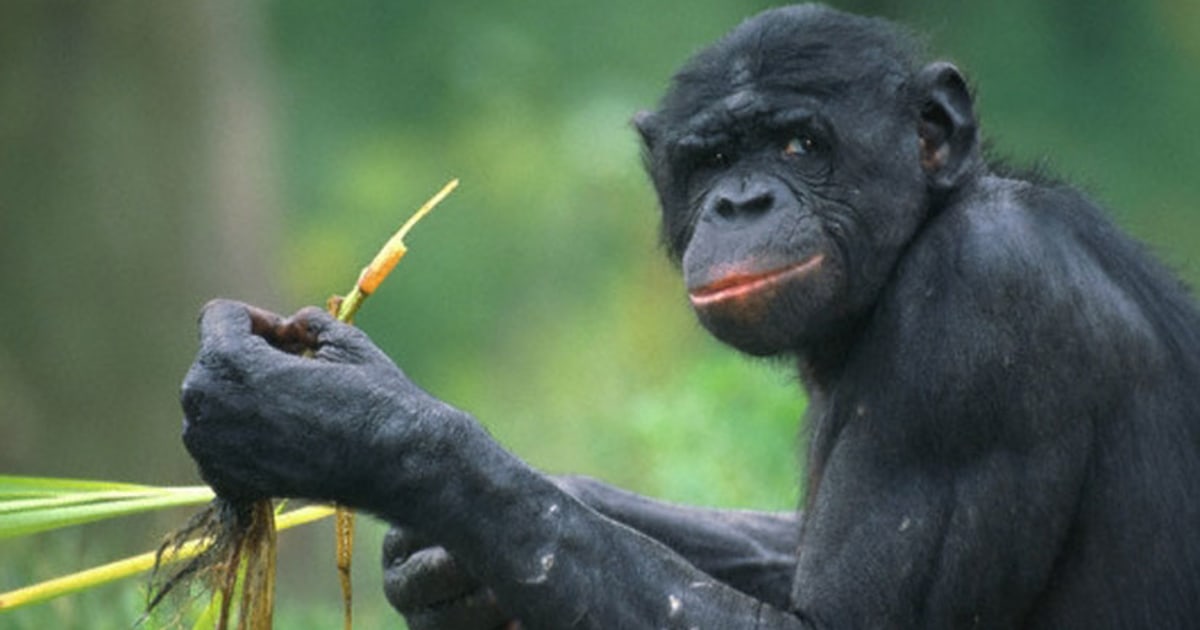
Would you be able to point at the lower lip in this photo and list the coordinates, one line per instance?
(737, 286)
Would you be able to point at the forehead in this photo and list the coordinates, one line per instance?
(748, 108)
(790, 58)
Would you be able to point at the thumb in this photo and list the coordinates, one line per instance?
(338, 342)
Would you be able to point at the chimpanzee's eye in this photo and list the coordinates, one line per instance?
(800, 145)
(704, 152)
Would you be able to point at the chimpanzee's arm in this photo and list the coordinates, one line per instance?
(347, 426)
(555, 562)
(755, 552)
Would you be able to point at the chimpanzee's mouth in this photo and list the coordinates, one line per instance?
(737, 285)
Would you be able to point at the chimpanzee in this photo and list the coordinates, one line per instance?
(1004, 390)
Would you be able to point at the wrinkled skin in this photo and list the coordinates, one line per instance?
(1003, 389)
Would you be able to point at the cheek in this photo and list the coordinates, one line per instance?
(675, 235)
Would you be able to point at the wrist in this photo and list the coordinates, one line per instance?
(416, 461)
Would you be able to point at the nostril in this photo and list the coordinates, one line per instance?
(759, 203)
(726, 208)
(740, 199)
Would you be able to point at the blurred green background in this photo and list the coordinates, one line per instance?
(156, 154)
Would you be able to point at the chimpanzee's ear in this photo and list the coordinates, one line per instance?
(948, 132)
(647, 125)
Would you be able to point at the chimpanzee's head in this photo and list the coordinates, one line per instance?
(794, 159)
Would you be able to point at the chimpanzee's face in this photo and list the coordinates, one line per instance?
(787, 188)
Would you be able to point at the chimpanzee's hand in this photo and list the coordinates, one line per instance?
(425, 584)
(263, 421)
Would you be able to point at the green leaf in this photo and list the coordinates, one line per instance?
(14, 486)
(8, 506)
(20, 517)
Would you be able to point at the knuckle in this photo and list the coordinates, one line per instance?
(425, 577)
(396, 546)
(317, 323)
(311, 313)
(212, 306)
(191, 399)
(194, 393)
(220, 309)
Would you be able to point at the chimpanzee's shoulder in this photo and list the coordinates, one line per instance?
(1013, 231)
(1031, 257)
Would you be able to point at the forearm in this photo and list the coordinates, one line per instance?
(755, 552)
(565, 561)
(550, 557)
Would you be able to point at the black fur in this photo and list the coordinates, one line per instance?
(991, 363)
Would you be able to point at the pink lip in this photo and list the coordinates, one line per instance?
(738, 285)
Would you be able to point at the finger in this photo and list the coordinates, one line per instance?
(230, 351)
(400, 543)
(223, 322)
(212, 448)
(327, 329)
(289, 335)
(224, 325)
(231, 323)
(427, 577)
(336, 341)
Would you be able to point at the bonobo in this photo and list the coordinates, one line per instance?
(1004, 390)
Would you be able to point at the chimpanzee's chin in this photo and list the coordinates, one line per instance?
(747, 330)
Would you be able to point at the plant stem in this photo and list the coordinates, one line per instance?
(344, 309)
(131, 566)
